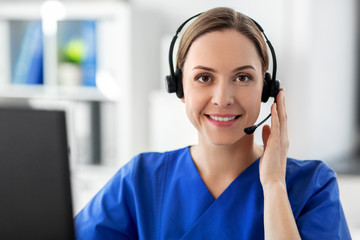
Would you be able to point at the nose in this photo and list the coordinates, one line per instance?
(223, 95)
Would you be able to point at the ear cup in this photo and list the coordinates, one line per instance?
(267, 88)
(174, 84)
(179, 85)
(275, 88)
(271, 88)
(170, 84)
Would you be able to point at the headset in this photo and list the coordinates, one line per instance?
(271, 87)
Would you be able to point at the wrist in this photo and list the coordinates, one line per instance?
(274, 186)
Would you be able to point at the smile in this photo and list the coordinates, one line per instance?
(223, 120)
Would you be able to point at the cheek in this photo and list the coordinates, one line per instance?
(195, 103)
(254, 97)
(251, 100)
(193, 108)
(192, 97)
(194, 100)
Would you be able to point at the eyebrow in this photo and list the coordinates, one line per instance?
(213, 70)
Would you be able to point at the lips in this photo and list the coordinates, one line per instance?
(222, 120)
(222, 117)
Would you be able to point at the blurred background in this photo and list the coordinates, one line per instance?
(104, 63)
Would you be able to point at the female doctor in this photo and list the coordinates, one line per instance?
(226, 186)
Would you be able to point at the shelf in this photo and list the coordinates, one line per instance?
(54, 93)
(98, 111)
(111, 30)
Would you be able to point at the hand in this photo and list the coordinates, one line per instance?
(276, 144)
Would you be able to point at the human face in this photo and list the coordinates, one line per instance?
(223, 81)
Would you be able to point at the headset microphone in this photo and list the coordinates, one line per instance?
(251, 130)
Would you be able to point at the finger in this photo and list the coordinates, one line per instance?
(275, 124)
(265, 134)
(282, 116)
(280, 100)
(282, 108)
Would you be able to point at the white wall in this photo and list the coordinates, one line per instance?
(321, 77)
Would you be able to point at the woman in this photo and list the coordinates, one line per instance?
(226, 187)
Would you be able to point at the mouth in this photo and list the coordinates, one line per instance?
(223, 118)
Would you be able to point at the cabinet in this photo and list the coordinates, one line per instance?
(73, 56)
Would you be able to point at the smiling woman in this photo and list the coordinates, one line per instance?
(226, 186)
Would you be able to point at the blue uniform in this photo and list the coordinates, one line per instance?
(162, 196)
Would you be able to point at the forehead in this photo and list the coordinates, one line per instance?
(223, 48)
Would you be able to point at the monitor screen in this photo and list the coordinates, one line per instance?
(35, 190)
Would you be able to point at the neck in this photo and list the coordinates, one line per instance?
(225, 161)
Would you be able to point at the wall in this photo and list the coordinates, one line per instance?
(321, 66)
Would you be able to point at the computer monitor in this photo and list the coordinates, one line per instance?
(35, 190)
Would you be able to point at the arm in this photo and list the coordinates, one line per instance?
(279, 222)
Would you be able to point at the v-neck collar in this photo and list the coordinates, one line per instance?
(250, 173)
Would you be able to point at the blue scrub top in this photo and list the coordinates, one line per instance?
(162, 196)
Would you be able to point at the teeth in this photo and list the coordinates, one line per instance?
(222, 119)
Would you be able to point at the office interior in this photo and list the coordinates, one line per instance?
(104, 63)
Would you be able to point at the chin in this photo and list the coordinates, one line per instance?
(221, 141)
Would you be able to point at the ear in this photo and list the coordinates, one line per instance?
(183, 99)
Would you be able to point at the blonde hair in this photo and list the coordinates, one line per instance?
(219, 19)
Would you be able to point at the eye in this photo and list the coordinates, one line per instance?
(242, 78)
(204, 78)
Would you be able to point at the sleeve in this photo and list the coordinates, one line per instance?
(322, 216)
(110, 214)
